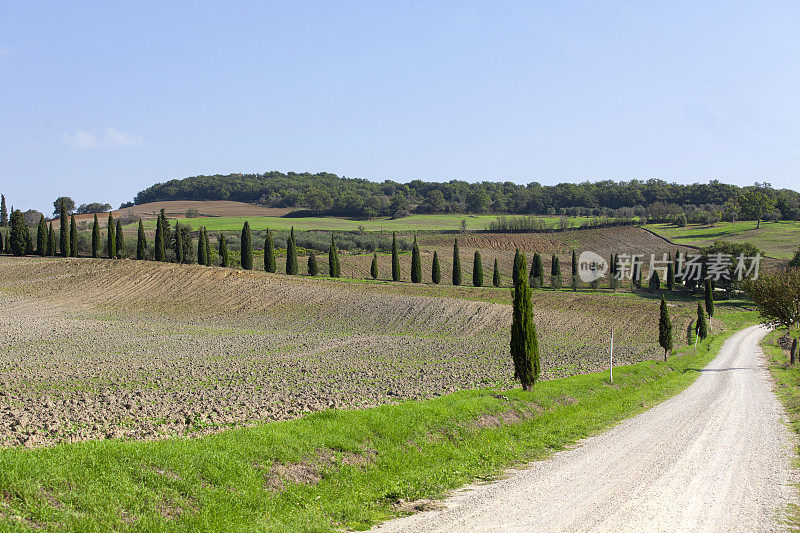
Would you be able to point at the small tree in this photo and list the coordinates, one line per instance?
(120, 240)
(395, 259)
(291, 254)
(477, 270)
(246, 247)
(224, 260)
(555, 273)
(436, 271)
(73, 237)
(41, 237)
(17, 235)
(201, 249)
(614, 277)
(141, 242)
(665, 329)
(333, 259)
(456, 264)
(416, 263)
(708, 290)
(670, 277)
(496, 275)
(655, 282)
(313, 269)
(50, 249)
(575, 278)
(269, 253)
(777, 296)
(111, 238)
(63, 229)
(3, 211)
(373, 269)
(537, 272)
(702, 323)
(515, 268)
(524, 342)
(160, 249)
(95, 238)
(208, 248)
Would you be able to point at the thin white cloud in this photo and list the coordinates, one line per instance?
(82, 140)
(6, 51)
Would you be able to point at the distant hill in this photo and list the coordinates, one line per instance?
(328, 194)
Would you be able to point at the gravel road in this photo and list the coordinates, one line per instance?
(717, 457)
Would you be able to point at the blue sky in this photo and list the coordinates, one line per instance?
(100, 100)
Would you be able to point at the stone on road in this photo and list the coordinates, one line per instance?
(716, 457)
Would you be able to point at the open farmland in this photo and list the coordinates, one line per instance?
(97, 348)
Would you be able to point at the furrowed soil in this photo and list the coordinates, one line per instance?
(105, 349)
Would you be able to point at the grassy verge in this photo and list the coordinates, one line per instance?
(787, 386)
(328, 470)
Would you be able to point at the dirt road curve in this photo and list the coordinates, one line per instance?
(716, 457)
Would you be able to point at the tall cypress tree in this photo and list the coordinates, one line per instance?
(702, 323)
(178, 244)
(41, 237)
(26, 235)
(16, 238)
(208, 248)
(665, 329)
(120, 241)
(224, 260)
(3, 212)
(201, 249)
(477, 270)
(373, 269)
(95, 238)
(291, 254)
(73, 237)
(141, 242)
(269, 253)
(613, 278)
(416, 263)
(670, 277)
(334, 270)
(496, 275)
(63, 239)
(524, 342)
(655, 282)
(111, 238)
(555, 273)
(247, 247)
(313, 268)
(159, 251)
(436, 271)
(51, 241)
(456, 264)
(537, 271)
(575, 278)
(515, 268)
(166, 234)
(395, 259)
(709, 297)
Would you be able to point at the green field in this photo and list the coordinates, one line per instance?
(406, 224)
(776, 239)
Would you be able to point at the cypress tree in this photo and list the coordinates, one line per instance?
(26, 235)
(7, 245)
(575, 278)
(636, 276)
(613, 278)
(436, 271)
(201, 249)
(73, 237)
(63, 239)
(373, 269)
(269, 253)
(3, 212)
(334, 269)
(313, 269)
(665, 329)
(515, 268)
(456, 264)
(111, 238)
(395, 259)
(537, 271)
(51, 241)
(208, 248)
(496, 275)
(2, 244)
(166, 233)
(670, 277)
(709, 297)
(178, 243)
(477, 270)
(141, 242)
(120, 241)
(159, 251)
(655, 282)
(416, 263)
(291, 254)
(702, 323)
(95, 238)
(247, 247)
(41, 237)
(16, 239)
(524, 342)
(224, 260)
(555, 273)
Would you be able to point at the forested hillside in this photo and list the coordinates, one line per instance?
(325, 193)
